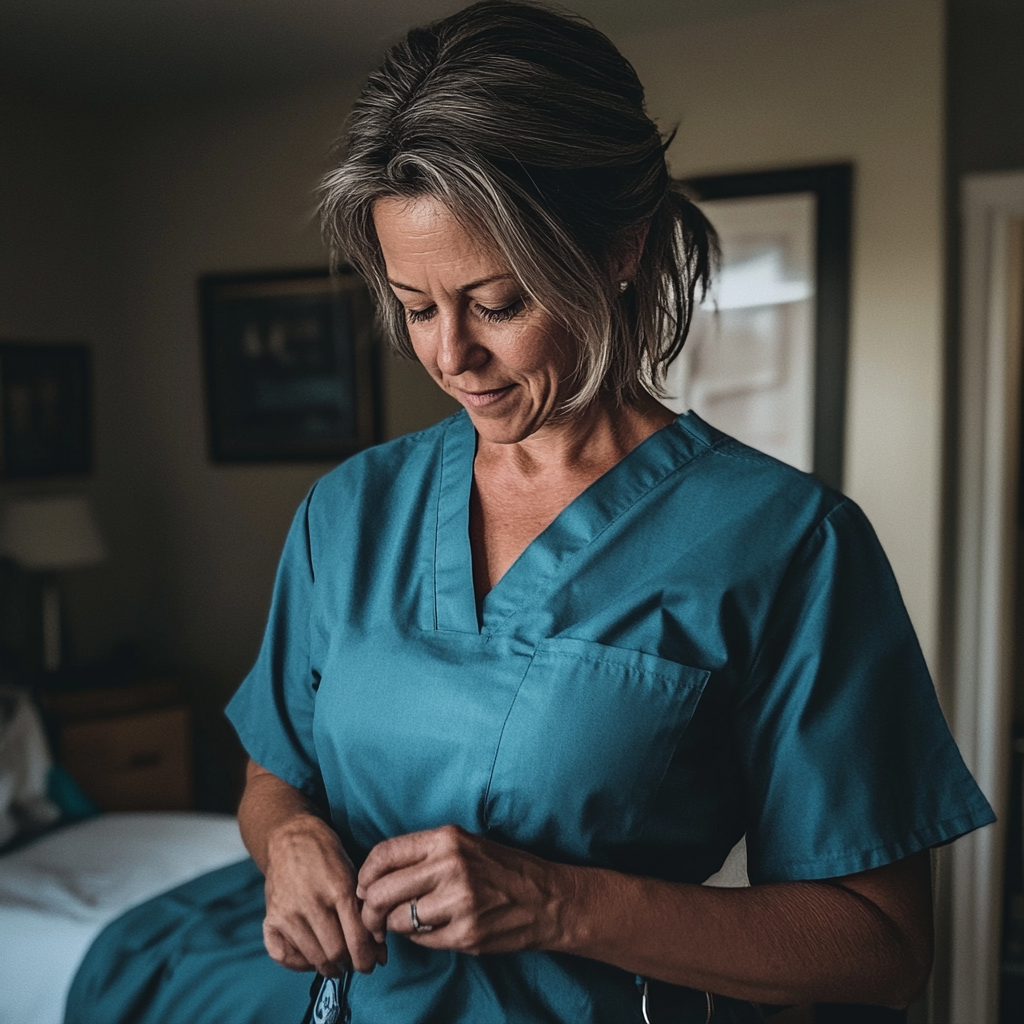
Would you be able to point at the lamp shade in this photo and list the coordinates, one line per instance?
(55, 532)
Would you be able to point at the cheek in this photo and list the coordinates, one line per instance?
(551, 352)
(529, 348)
(425, 351)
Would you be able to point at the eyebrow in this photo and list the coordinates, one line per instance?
(462, 288)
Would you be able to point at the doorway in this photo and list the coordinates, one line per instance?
(982, 701)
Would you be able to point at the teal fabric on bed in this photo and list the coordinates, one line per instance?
(192, 955)
(65, 792)
(705, 643)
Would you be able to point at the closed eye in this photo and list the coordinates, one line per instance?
(497, 316)
(419, 316)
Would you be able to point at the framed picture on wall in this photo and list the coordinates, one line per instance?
(766, 357)
(45, 410)
(290, 366)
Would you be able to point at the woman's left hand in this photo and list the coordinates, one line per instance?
(475, 895)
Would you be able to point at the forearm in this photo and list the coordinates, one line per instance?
(268, 809)
(786, 943)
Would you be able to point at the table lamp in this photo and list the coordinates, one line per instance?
(48, 535)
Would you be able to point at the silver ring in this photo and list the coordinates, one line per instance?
(416, 926)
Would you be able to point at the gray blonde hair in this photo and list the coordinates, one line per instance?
(530, 127)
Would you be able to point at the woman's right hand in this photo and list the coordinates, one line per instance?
(313, 918)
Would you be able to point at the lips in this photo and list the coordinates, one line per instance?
(481, 398)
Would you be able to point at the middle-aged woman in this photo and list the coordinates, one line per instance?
(531, 673)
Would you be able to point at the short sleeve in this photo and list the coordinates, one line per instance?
(847, 758)
(272, 711)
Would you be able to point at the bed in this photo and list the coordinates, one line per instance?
(124, 918)
(106, 911)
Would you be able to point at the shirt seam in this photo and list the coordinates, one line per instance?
(665, 674)
(437, 522)
(722, 446)
(699, 438)
(920, 836)
(798, 551)
(484, 814)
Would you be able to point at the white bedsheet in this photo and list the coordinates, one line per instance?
(57, 894)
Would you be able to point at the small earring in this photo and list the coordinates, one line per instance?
(623, 285)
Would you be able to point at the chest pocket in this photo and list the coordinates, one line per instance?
(586, 744)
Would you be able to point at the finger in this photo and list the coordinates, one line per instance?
(365, 949)
(329, 935)
(332, 939)
(393, 855)
(430, 919)
(303, 936)
(391, 892)
(417, 849)
(456, 922)
(281, 950)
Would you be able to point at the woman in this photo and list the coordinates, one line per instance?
(530, 674)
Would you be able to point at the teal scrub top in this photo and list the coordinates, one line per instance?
(705, 643)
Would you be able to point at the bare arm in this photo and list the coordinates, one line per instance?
(313, 915)
(863, 938)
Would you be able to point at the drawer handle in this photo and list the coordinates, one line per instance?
(145, 759)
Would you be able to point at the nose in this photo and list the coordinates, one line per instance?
(458, 349)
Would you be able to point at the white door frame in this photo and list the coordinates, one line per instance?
(989, 397)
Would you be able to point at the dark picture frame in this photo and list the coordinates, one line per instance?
(832, 186)
(291, 366)
(45, 410)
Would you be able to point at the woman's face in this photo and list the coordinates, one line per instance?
(505, 360)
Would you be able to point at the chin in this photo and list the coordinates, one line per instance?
(497, 432)
(506, 429)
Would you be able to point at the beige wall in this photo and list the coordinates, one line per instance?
(858, 80)
(107, 220)
(56, 285)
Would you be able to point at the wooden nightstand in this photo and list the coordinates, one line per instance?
(128, 747)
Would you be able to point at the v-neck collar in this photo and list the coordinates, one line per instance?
(587, 516)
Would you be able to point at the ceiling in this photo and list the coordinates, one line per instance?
(137, 49)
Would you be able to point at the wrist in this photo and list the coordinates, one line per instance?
(298, 823)
(598, 906)
(569, 919)
(299, 830)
